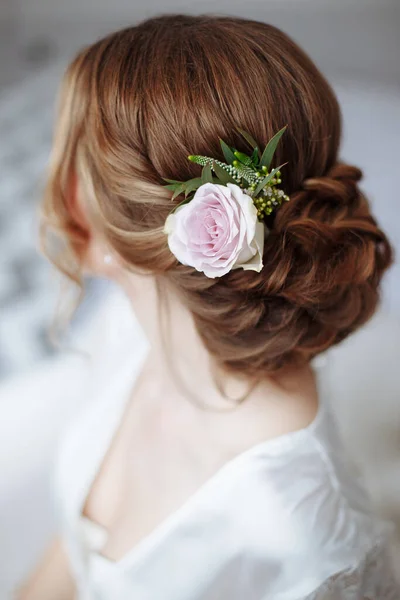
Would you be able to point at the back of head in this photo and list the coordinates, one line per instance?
(133, 107)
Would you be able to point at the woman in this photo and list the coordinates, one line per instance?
(210, 467)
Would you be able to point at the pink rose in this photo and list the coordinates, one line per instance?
(217, 231)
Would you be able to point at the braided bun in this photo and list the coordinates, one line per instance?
(324, 259)
(138, 102)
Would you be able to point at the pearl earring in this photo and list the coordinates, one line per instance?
(108, 259)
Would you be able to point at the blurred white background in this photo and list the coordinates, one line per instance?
(357, 45)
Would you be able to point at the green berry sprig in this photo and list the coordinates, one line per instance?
(251, 172)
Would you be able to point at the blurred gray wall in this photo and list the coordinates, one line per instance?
(345, 37)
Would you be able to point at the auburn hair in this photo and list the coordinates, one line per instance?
(135, 104)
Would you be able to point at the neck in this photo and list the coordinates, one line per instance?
(177, 351)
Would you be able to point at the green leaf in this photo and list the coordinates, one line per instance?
(172, 186)
(192, 185)
(270, 148)
(206, 175)
(172, 180)
(179, 190)
(255, 156)
(249, 139)
(228, 152)
(266, 180)
(222, 175)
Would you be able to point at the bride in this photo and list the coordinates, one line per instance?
(210, 467)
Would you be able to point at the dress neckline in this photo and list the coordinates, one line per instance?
(270, 447)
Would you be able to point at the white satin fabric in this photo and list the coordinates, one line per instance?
(285, 520)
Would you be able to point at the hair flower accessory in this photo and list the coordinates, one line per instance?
(219, 226)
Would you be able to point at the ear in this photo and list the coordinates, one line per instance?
(98, 259)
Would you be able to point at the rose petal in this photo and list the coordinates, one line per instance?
(255, 263)
(216, 231)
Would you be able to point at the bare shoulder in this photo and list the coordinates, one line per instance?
(273, 410)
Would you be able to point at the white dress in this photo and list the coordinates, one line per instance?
(284, 520)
